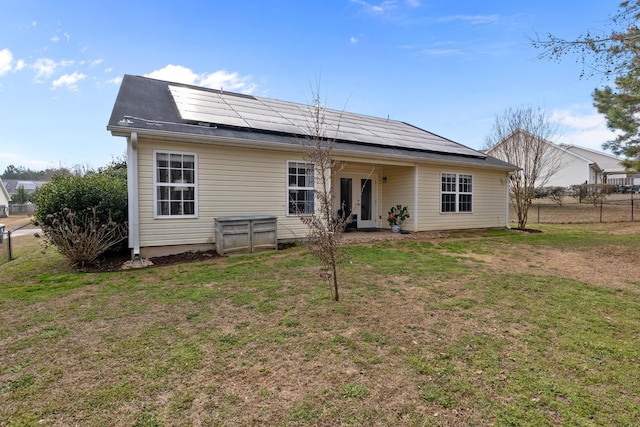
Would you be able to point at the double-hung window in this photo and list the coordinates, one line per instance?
(175, 184)
(456, 192)
(300, 187)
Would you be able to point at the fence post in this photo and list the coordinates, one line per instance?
(9, 242)
(538, 214)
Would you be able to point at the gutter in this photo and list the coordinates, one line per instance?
(398, 159)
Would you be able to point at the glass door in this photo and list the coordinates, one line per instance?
(358, 196)
(367, 217)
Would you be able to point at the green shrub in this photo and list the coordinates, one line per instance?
(106, 192)
(78, 214)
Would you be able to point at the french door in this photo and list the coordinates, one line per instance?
(358, 195)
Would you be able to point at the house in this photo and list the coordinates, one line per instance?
(4, 200)
(575, 165)
(612, 170)
(196, 154)
(14, 185)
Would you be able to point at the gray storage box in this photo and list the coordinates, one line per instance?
(246, 234)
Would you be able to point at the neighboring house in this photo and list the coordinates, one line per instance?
(13, 185)
(577, 165)
(196, 154)
(612, 170)
(4, 200)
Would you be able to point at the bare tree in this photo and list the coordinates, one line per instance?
(522, 137)
(325, 226)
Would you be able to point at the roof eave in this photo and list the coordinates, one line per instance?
(408, 158)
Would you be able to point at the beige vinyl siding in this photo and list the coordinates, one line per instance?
(489, 200)
(399, 189)
(231, 182)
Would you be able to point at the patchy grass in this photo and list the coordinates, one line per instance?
(450, 331)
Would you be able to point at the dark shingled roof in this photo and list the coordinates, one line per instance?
(150, 106)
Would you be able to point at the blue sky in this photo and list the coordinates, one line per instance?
(446, 66)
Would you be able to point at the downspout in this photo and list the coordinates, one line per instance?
(132, 194)
(506, 218)
(416, 193)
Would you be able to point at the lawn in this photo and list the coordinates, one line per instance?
(482, 328)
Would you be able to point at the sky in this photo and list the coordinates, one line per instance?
(449, 67)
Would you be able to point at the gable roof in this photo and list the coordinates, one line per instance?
(13, 185)
(560, 147)
(161, 108)
(609, 163)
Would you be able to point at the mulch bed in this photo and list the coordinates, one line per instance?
(114, 261)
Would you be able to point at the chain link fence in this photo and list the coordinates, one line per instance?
(614, 209)
(7, 239)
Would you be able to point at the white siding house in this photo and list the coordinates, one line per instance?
(578, 165)
(4, 200)
(195, 154)
(612, 170)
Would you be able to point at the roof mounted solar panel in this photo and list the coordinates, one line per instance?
(231, 109)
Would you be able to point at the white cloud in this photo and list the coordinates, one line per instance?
(220, 79)
(583, 126)
(413, 3)
(174, 73)
(353, 40)
(56, 38)
(115, 80)
(45, 67)
(383, 7)
(29, 162)
(19, 65)
(69, 81)
(96, 62)
(7, 64)
(229, 81)
(472, 19)
(6, 59)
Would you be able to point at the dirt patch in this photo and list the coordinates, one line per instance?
(15, 222)
(609, 267)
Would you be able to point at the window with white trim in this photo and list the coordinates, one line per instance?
(174, 181)
(456, 193)
(300, 187)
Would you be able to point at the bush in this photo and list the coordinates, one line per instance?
(106, 192)
(80, 236)
(593, 193)
(84, 206)
(553, 193)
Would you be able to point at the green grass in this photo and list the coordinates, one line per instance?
(426, 333)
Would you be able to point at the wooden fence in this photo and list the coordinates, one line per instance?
(22, 209)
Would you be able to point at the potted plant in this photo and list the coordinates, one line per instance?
(397, 215)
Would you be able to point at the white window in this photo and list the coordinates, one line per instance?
(174, 179)
(456, 193)
(300, 188)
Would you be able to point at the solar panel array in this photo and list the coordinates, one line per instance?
(195, 105)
